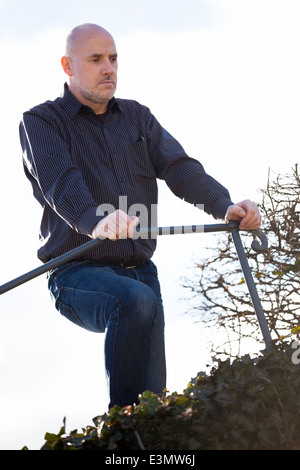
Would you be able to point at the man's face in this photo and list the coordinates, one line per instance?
(94, 65)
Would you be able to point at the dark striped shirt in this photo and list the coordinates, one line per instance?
(77, 161)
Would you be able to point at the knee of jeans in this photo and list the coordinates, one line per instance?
(142, 301)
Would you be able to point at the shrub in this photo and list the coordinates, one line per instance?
(248, 404)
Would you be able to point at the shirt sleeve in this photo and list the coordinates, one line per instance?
(184, 175)
(55, 179)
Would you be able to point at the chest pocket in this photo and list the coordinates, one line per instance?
(139, 161)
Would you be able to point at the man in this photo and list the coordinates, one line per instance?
(93, 161)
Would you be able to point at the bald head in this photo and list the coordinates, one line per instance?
(91, 64)
(81, 33)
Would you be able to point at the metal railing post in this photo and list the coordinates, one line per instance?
(251, 286)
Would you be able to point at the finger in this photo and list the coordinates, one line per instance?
(252, 220)
(116, 225)
(122, 223)
(245, 212)
(235, 212)
(131, 226)
(110, 229)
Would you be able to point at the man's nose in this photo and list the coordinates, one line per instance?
(107, 67)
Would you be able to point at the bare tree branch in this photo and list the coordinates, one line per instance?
(222, 297)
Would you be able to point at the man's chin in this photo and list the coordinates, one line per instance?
(100, 98)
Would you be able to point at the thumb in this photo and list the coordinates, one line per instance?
(235, 212)
(134, 220)
(131, 226)
(241, 212)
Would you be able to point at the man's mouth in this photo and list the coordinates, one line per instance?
(106, 82)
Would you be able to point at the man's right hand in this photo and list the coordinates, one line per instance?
(116, 225)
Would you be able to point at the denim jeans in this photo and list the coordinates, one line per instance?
(126, 304)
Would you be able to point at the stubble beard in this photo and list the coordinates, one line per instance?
(97, 97)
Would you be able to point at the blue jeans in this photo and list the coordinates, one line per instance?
(126, 304)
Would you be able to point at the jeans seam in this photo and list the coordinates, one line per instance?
(112, 378)
(73, 312)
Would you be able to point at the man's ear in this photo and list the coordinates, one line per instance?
(66, 65)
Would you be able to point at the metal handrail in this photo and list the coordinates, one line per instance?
(153, 232)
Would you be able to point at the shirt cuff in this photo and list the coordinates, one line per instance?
(88, 221)
(220, 208)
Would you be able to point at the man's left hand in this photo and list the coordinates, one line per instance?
(245, 212)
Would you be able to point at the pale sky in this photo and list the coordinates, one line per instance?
(223, 76)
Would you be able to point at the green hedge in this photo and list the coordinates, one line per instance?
(246, 404)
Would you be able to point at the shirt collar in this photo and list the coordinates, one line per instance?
(73, 106)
